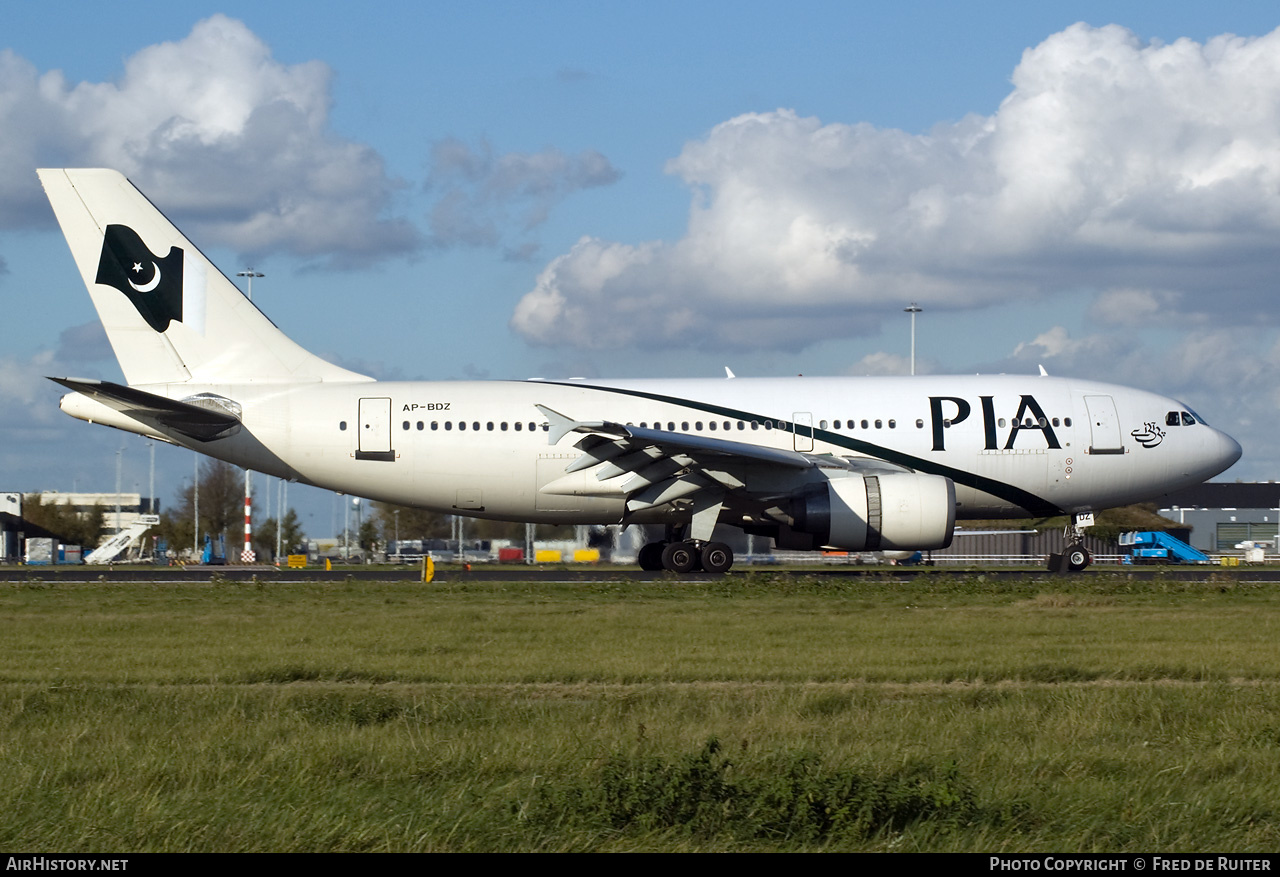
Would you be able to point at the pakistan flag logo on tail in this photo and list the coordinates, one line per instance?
(154, 285)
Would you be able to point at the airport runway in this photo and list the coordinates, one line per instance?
(447, 574)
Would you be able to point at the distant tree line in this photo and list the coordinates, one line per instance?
(222, 514)
(61, 518)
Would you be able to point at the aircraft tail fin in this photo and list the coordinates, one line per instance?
(170, 315)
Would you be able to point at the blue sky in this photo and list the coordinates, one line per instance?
(510, 190)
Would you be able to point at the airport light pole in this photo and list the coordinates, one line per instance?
(279, 518)
(119, 451)
(151, 500)
(250, 275)
(913, 310)
(359, 525)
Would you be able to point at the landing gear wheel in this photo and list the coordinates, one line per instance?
(716, 557)
(1077, 558)
(650, 558)
(680, 557)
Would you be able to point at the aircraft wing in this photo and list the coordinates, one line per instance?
(203, 419)
(652, 467)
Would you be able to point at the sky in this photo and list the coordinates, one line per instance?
(513, 190)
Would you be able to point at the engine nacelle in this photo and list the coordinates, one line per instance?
(888, 511)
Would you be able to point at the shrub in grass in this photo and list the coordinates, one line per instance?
(793, 798)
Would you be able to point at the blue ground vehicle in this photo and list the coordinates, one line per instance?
(1158, 547)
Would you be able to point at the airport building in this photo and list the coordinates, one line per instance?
(131, 505)
(1222, 515)
(14, 529)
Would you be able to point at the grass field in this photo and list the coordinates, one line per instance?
(1089, 713)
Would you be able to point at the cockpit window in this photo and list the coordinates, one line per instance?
(1190, 415)
(1171, 419)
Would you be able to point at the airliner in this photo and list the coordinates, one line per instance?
(860, 464)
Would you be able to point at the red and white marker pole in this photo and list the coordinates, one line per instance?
(247, 556)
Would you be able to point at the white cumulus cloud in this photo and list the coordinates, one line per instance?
(1113, 165)
(219, 132)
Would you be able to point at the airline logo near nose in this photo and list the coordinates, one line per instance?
(1150, 435)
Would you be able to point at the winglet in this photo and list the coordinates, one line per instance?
(728, 373)
(1043, 373)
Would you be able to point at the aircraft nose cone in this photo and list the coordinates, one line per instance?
(1228, 451)
(1218, 453)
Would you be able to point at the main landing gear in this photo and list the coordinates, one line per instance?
(686, 556)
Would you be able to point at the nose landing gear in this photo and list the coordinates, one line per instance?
(1075, 557)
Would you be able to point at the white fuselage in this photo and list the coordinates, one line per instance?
(481, 449)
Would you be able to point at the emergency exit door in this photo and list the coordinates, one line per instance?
(374, 425)
(1104, 425)
(802, 424)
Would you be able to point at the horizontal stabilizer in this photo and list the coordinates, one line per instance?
(205, 420)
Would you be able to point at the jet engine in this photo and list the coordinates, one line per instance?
(887, 511)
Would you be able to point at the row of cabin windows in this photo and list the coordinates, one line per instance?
(519, 426)
(462, 425)
(670, 425)
(1027, 423)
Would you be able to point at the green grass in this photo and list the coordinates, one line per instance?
(1092, 713)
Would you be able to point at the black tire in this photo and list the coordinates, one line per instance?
(1078, 558)
(716, 557)
(650, 558)
(680, 557)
